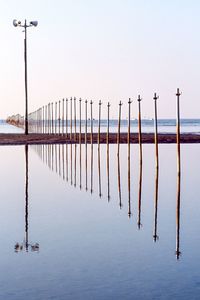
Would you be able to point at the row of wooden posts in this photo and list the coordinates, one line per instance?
(51, 154)
(54, 119)
(56, 157)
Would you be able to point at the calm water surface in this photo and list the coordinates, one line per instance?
(85, 233)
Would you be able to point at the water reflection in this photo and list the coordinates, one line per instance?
(119, 182)
(178, 252)
(99, 169)
(105, 172)
(25, 245)
(155, 234)
(140, 195)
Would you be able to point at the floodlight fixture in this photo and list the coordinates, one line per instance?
(34, 23)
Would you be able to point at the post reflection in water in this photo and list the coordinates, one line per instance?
(80, 166)
(119, 181)
(26, 245)
(63, 161)
(91, 171)
(155, 234)
(71, 173)
(75, 150)
(44, 151)
(178, 206)
(99, 169)
(140, 196)
(59, 160)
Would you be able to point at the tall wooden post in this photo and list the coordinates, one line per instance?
(178, 132)
(91, 123)
(52, 125)
(139, 127)
(80, 121)
(86, 184)
(49, 117)
(129, 122)
(156, 129)
(66, 111)
(71, 119)
(86, 121)
(63, 115)
(119, 128)
(108, 124)
(59, 118)
(75, 119)
(99, 125)
(56, 118)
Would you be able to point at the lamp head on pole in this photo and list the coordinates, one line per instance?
(16, 23)
(19, 23)
(34, 23)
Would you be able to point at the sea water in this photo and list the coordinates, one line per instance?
(85, 223)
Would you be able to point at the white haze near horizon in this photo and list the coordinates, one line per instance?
(108, 50)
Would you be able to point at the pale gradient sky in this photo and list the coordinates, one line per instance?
(102, 49)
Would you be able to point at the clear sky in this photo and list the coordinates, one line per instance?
(102, 49)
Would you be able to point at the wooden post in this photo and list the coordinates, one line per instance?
(63, 116)
(49, 118)
(119, 128)
(129, 122)
(52, 125)
(99, 170)
(59, 118)
(178, 132)
(86, 121)
(46, 122)
(139, 127)
(91, 123)
(75, 119)
(99, 125)
(66, 111)
(80, 121)
(43, 119)
(108, 124)
(56, 118)
(71, 119)
(156, 129)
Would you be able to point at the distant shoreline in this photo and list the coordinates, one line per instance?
(147, 138)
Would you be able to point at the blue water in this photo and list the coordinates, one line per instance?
(84, 218)
(164, 126)
(6, 128)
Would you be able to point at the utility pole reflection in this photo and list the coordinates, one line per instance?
(25, 245)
